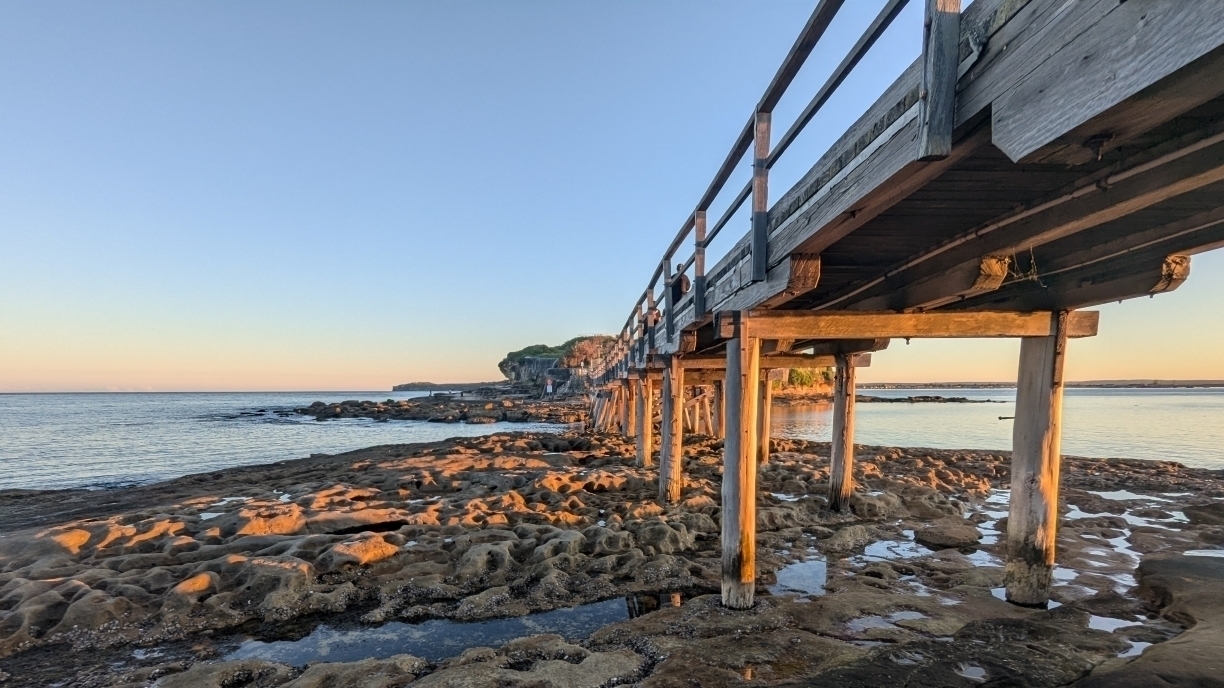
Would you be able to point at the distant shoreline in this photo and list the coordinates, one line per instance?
(1087, 384)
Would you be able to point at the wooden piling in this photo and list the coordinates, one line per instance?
(1032, 523)
(841, 465)
(645, 422)
(765, 402)
(708, 414)
(622, 406)
(720, 410)
(671, 465)
(739, 472)
(632, 395)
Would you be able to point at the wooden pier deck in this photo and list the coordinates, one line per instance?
(1040, 157)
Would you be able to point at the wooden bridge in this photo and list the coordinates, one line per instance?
(1040, 157)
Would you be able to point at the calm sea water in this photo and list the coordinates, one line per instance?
(103, 440)
(100, 440)
(1185, 425)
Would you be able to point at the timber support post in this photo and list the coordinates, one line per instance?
(632, 397)
(645, 421)
(720, 410)
(763, 414)
(739, 471)
(841, 451)
(1032, 523)
(671, 463)
(622, 406)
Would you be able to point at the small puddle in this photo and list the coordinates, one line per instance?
(1126, 496)
(1204, 553)
(863, 623)
(883, 550)
(782, 497)
(972, 672)
(439, 639)
(1110, 624)
(806, 577)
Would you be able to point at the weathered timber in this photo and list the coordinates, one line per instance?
(671, 463)
(622, 407)
(929, 278)
(841, 450)
(765, 404)
(1128, 47)
(940, 61)
(707, 362)
(739, 473)
(982, 324)
(1032, 524)
(645, 422)
(632, 397)
(760, 197)
(720, 409)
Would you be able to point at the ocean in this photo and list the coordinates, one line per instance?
(50, 441)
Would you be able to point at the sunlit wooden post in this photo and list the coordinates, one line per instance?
(1032, 522)
(622, 405)
(645, 421)
(632, 395)
(671, 462)
(739, 471)
(841, 465)
(765, 402)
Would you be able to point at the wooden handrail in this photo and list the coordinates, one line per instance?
(756, 131)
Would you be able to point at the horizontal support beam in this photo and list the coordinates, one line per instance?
(937, 325)
(770, 362)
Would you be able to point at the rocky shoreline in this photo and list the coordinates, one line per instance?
(453, 408)
(252, 576)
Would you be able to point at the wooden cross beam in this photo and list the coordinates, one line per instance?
(779, 361)
(845, 325)
(717, 364)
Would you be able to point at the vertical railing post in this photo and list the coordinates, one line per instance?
(940, 60)
(651, 322)
(699, 251)
(760, 197)
(668, 301)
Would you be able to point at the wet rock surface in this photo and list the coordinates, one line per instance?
(164, 584)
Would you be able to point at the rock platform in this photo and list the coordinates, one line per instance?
(161, 585)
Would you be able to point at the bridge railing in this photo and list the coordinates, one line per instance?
(654, 315)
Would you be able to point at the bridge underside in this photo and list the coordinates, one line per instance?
(1086, 166)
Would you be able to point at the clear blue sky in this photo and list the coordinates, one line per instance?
(308, 195)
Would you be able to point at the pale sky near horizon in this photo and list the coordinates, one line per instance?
(315, 196)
